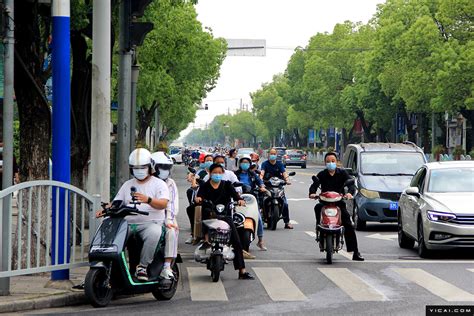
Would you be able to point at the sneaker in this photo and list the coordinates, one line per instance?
(288, 226)
(167, 274)
(246, 276)
(141, 273)
(261, 246)
(205, 245)
(248, 255)
(189, 240)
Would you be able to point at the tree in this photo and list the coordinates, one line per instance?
(181, 64)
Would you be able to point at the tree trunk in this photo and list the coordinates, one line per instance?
(145, 117)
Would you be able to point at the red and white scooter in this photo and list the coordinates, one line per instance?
(330, 232)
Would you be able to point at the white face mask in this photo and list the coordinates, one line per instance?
(140, 173)
(164, 174)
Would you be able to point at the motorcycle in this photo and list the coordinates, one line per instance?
(219, 231)
(109, 272)
(330, 231)
(248, 228)
(273, 201)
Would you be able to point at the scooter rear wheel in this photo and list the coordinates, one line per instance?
(329, 248)
(166, 295)
(98, 293)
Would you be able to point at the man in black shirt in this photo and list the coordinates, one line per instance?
(333, 179)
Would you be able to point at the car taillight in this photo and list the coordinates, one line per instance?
(303, 157)
(286, 157)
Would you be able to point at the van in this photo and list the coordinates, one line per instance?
(382, 172)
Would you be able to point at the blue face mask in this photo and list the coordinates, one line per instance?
(331, 166)
(223, 165)
(216, 178)
(245, 166)
(272, 157)
(206, 164)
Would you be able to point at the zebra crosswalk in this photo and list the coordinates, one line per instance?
(279, 287)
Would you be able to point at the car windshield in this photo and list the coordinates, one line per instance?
(294, 152)
(451, 180)
(280, 152)
(391, 163)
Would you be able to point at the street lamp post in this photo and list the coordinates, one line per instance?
(133, 116)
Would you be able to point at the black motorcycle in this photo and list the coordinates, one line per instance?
(274, 200)
(219, 231)
(111, 273)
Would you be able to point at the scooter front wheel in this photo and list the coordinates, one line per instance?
(329, 248)
(216, 268)
(96, 290)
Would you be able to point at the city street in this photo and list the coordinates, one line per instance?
(293, 278)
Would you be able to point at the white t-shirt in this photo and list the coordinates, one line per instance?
(154, 188)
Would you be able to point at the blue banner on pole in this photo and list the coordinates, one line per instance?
(401, 124)
(331, 132)
(311, 136)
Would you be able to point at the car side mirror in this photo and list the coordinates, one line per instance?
(291, 174)
(349, 183)
(237, 184)
(412, 191)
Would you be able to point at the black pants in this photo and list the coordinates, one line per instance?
(234, 239)
(190, 209)
(349, 232)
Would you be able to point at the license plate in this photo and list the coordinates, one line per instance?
(393, 206)
(295, 158)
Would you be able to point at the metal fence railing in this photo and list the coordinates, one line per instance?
(35, 244)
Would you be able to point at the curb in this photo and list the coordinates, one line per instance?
(55, 300)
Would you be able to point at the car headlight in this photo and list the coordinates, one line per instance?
(330, 212)
(370, 194)
(440, 216)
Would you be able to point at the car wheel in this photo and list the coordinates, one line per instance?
(303, 166)
(360, 225)
(174, 161)
(423, 252)
(404, 241)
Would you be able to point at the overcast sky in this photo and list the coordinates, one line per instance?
(284, 24)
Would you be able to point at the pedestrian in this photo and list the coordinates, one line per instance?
(231, 161)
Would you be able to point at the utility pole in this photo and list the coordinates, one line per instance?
(8, 63)
(133, 116)
(99, 170)
(61, 144)
(157, 127)
(124, 97)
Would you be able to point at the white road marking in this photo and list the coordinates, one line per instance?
(311, 234)
(293, 222)
(472, 270)
(352, 285)
(388, 237)
(301, 182)
(400, 261)
(435, 285)
(278, 285)
(202, 288)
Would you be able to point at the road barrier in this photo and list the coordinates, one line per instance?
(31, 243)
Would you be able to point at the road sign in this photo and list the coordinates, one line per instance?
(246, 47)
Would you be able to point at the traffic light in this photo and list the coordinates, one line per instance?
(136, 31)
(206, 107)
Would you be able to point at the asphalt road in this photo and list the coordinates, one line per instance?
(293, 278)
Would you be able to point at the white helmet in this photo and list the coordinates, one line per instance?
(162, 164)
(245, 157)
(140, 157)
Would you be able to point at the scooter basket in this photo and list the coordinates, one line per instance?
(219, 236)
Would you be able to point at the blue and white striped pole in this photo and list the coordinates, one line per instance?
(61, 131)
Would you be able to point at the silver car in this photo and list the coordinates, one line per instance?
(437, 209)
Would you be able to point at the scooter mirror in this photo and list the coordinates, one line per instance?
(237, 184)
(291, 174)
(192, 170)
(349, 183)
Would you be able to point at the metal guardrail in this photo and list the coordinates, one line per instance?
(29, 226)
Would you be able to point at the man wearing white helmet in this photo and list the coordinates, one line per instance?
(162, 165)
(153, 194)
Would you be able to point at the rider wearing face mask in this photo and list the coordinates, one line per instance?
(333, 179)
(227, 175)
(162, 169)
(153, 194)
(273, 168)
(219, 191)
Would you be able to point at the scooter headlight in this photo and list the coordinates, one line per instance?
(330, 212)
(275, 182)
(220, 208)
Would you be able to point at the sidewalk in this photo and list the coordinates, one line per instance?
(29, 293)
